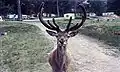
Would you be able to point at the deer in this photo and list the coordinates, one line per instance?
(58, 59)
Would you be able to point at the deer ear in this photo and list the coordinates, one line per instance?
(73, 33)
(51, 33)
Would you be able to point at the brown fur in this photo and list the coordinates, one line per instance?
(59, 62)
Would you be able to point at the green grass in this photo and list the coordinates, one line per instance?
(23, 49)
(104, 33)
(114, 28)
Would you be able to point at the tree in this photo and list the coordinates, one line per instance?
(98, 7)
(58, 14)
(114, 6)
(58, 7)
(19, 10)
(3, 8)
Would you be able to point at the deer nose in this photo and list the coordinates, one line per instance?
(61, 41)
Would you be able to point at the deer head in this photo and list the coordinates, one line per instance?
(62, 35)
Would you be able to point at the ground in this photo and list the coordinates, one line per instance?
(87, 54)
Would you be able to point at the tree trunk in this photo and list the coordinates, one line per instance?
(75, 8)
(58, 14)
(19, 11)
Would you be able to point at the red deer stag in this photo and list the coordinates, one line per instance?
(58, 59)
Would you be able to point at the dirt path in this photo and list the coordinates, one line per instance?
(87, 54)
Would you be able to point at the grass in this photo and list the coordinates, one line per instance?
(23, 49)
(104, 34)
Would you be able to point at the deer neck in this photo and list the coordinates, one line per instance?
(60, 56)
(61, 48)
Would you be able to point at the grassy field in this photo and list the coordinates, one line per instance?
(103, 30)
(23, 49)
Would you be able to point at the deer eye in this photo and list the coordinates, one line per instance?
(68, 36)
(56, 35)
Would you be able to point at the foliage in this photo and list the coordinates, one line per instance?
(98, 7)
(114, 6)
(32, 6)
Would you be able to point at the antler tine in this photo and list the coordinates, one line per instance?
(55, 23)
(50, 26)
(68, 25)
(74, 27)
(55, 26)
(83, 20)
(40, 16)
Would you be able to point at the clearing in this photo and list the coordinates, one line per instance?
(87, 54)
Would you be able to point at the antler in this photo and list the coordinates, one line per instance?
(56, 27)
(50, 26)
(75, 27)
